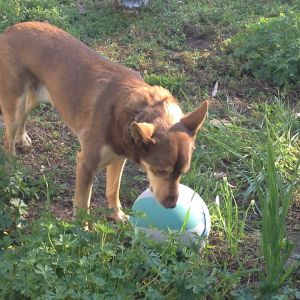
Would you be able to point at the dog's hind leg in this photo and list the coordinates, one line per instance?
(24, 109)
(113, 180)
(10, 104)
(17, 97)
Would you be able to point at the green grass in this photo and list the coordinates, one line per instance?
(270, 49)
(275, 201)
(181, 45)
(229, 218)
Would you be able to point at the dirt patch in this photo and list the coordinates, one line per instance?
(293, 229)
(199, 37)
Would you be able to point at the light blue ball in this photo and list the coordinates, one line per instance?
(190, 219)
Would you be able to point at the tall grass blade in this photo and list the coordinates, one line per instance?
(48, 198)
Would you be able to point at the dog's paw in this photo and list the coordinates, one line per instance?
(24, 140)
(119, 216)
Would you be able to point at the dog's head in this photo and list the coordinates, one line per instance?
(165, 154)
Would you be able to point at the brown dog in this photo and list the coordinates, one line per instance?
(111, 110)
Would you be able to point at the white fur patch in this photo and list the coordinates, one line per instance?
(174, 112)
(43, 95)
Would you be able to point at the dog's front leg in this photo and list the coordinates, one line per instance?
(86, 169)
(113, 180)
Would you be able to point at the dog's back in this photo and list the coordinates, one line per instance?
(44, 60)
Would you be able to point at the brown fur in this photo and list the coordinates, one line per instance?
(111, 110)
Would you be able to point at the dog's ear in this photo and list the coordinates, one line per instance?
(195, 120)
(142, 133)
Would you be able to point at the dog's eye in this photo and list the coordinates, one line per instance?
(162, 172)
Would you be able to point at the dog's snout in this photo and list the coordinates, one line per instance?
(171, 198)
(170, 205)
(170, 201)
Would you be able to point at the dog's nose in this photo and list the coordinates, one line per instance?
(171, 198)
(170, 201)
(170, 205)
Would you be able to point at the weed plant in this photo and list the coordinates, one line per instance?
(275, 197)
(269, 49)
(59, 260)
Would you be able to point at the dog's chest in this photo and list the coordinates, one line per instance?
(107, 157)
